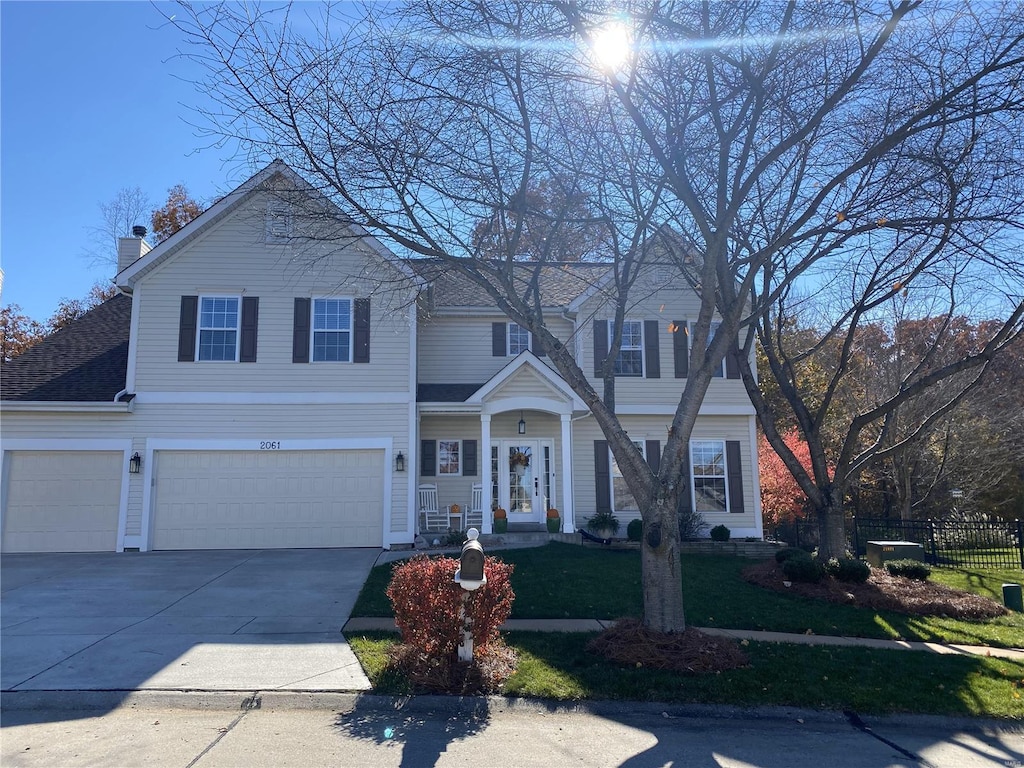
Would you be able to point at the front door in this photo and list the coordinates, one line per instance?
(524, 479)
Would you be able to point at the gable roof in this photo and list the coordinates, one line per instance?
(85, 361)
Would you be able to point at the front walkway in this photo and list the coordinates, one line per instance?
(596, 625)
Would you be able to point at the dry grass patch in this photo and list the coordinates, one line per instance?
(882, 592)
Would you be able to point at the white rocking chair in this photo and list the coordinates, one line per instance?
(475, 510)
(432, 519)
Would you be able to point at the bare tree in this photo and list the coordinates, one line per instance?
(130, 206)
(751, 146)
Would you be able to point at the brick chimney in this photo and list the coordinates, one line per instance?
(131, 249)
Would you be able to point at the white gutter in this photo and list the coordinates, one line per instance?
(42, 406)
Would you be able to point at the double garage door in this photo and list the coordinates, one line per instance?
(69, 501)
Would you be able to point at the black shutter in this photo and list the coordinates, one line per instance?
(499, 333)
(685, 500)
(600, 345)
(187, 329)
(361, 332)
(734, 469)
(300, 332)
(681, 349)
(602, 476)
(428, 458)
(653, 449)
(732, 362)
(469, 458)
(538, 348)
(652, 354)
(250, 321)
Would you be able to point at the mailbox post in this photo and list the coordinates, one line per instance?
(470, 576)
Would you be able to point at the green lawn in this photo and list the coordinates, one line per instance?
(567, 581)
(556, 666)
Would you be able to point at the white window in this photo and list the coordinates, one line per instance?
(622, 499)
(218, 328)
(518, 339)
(630, 361)
(449, 457)
(278, 222)
(332, 330)
(707, 465)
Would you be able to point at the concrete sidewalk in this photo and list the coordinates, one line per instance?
(596, 625)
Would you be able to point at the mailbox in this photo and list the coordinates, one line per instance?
(470, 574)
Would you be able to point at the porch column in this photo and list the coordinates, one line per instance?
(568, 514)
(485, 460)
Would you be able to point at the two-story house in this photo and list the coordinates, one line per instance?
(257, 388)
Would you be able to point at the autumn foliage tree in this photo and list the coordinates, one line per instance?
(178, 211)
(782, 500)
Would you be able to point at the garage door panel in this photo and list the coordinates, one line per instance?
(261, 499)
(62, 501)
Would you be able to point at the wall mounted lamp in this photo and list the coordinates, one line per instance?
(135, 463)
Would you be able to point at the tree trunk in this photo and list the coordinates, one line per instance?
(831, 529)
(662, 577)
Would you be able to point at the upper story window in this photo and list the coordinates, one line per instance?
(630, 361)
(518, 339)
(278, 222)
(218, 328)
(332, 330)
(707, 462)
(449, 457)
(622, 498)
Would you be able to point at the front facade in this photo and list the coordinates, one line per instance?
(250, 392)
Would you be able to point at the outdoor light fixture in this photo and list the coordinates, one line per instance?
(135, 463)
(522, 424)
(399, 462)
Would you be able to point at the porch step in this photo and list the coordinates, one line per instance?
(534, 538)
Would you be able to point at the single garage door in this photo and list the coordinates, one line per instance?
(62, 501)
(268, 499)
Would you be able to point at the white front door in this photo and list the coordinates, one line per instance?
(525, 478)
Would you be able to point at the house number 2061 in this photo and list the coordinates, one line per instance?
(270, 445)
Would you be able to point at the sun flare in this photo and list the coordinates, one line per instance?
(611, 44)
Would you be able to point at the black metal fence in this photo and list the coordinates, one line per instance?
(947, 543)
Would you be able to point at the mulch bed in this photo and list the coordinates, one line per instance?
(630, 643)
(488, 671)
(882, 592)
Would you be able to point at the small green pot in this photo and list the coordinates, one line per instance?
(501, 525)
(554, 524)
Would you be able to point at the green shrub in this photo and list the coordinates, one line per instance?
(908, 569)
(603, 521)
(720, 533)
(784, 554)
(848, 569)
(802, 569)
(635, 530)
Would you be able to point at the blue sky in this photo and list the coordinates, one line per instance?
(93, 98)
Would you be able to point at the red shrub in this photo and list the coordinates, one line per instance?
(426, 602)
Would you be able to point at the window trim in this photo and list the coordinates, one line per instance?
(277, 210)
(237, 298)
(457, 473)
(613, 467)
(313, 329)
(724, 478)
(642, 349)
(508, 339)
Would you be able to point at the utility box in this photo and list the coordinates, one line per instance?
(881, 551)
(1013, 598)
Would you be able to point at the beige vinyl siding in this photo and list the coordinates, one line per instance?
(641, 428)
(231, 259)
(457, 350)
(665, 306)
(526, 383)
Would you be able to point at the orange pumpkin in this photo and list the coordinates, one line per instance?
(552, 512)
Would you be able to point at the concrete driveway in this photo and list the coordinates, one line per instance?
(206, 620)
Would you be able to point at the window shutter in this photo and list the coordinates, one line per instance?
(469, 458)
(187, 329)
(653, 449)
(361, 331)
(538, 348)
(732, 362)
(734, 470)
(600, 346)
(300, 331)
(602, 476)
(652, 354)
(499, 332)
(681, 348)
(685, 500)
(428, 458)
(250, 321)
